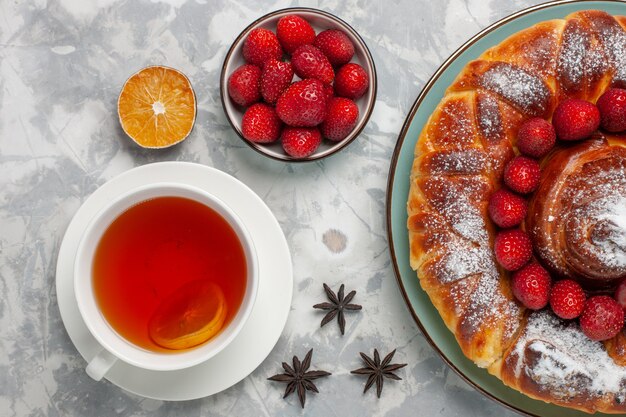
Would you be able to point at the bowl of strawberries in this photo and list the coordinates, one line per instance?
(298, 84)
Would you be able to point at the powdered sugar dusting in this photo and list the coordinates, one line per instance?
(490, 308)
(489, 119)
(469, 255)
(524, 90)
(582, 60)
(565, 361)
(452, 125)
(589, 51)
(596, 225)
(613, 38)
(455, 201)
(539, 55)
(611, 212)
(570, 69)
(467, 161)
(464, 262)
(470, 226)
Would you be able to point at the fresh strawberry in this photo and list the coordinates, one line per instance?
(342, 115)
(567, 299)
(336, 45)
(260, 124)
(310, 62)
(575, 119)
(275, 79)
(260, 46)
(330, 92)
(300, 142)
(522, 174)
(507, 209)
(293, 31)
(531, 286)
(244, 85)
(513, 249)
(602, 318)
(612, 107)
(351, 81)
(620, 294)
(303, 103)
(536, 137)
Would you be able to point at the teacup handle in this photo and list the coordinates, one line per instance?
(100, 364)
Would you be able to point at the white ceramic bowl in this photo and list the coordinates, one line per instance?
(115, 346)
(320, 20)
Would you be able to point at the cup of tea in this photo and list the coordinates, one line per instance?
(165, 277)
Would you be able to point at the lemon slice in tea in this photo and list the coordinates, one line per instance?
(189, 317)
(157, 107)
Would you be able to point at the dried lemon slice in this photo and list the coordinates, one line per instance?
(157, 107)
(191, 316)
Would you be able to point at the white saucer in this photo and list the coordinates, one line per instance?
(259, 335)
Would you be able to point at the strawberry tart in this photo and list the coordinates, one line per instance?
(517, 211)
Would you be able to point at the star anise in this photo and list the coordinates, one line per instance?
(299, 378)
(338, 304)
(377, 371)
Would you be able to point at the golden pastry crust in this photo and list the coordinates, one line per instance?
(554, 361)
(459, 158)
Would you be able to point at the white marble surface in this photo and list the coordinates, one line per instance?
(62, 63)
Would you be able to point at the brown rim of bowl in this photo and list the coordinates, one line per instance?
(342, 144)
(394, 161)
(195, 107)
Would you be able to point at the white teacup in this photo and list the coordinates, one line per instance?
(114, 346)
